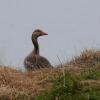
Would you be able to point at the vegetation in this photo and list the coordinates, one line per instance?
(78, 79)
(85, 86)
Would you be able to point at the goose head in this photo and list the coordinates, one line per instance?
(37, 33)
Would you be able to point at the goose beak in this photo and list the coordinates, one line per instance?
(44, 33)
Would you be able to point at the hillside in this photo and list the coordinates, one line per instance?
(78, 79)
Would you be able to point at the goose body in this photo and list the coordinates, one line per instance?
(34, 61)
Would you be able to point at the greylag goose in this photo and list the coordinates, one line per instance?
(34, 61)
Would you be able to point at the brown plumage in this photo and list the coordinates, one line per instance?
(34, 61)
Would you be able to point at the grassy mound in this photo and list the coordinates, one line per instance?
(77, 80)
(80, 79)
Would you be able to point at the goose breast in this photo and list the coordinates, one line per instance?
(36, 62)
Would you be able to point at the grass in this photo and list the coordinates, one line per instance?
(77, 87)
(78, 79)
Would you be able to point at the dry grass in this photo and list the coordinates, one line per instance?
(88, 58)
(28, 84)
(17, 85)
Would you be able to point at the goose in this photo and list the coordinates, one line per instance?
(34, 61)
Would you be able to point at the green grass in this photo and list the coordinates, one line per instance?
(73, 89)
